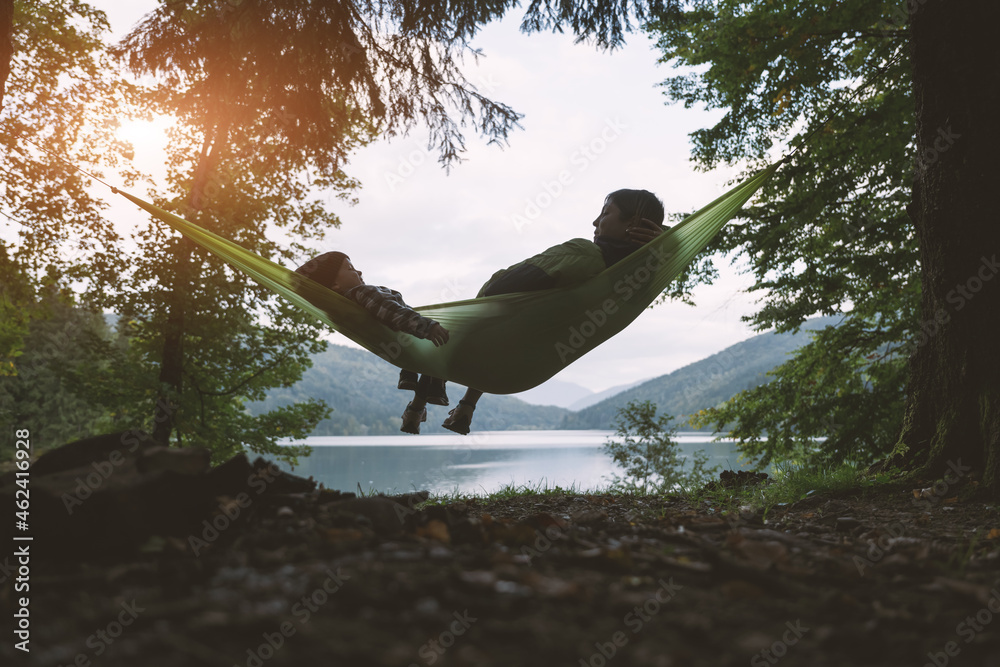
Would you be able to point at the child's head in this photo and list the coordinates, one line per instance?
(638, 204)
(332, 270)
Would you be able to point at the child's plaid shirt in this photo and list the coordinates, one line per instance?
(388, 307)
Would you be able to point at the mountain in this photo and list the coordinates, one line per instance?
(705, 383)
(361, 389)
(557, 392)
(593, 399)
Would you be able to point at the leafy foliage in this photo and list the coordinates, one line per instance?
(57, 95)
(828, 234)
(649, 456)
(62, 341)
(229, 361)
(606, 22)
(380, 68)
(16, 302)
(856, 403)
(259, 145)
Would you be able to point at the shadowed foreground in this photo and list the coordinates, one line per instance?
(262, 568)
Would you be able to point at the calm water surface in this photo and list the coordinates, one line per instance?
(479, 462)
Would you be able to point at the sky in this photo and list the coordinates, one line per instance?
(593, 122)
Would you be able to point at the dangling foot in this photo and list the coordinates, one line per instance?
(412, 419)
(459, 420)
(407, 381)
(436, 394)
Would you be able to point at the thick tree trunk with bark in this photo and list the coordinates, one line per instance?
(6, 43)
(953, 402)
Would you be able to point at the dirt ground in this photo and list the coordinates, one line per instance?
(315, 577)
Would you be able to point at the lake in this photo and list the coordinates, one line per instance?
(478, 463)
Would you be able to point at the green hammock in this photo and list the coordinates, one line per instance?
(508, 343)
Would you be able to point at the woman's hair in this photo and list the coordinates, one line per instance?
(324, 268)
(638, 202)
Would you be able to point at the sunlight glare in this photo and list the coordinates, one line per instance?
(148, 137)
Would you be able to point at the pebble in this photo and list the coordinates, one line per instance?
(847, 523)
(427, 606)
(440, 552)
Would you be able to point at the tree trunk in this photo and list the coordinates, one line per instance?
(172, 363)
(6, 43)
(952, 420)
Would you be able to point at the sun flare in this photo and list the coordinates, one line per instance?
(148, 138)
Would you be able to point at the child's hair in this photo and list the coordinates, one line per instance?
(638, 202)
(324, 268)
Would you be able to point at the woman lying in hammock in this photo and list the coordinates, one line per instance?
(628, 220)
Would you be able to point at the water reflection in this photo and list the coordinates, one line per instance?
(479, 463)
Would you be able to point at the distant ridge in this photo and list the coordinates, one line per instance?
(705, 383)
(596, 398)
(361, 389)
(556, 392)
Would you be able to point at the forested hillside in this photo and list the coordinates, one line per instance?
(705, 383)
(66, 392)
(361, 389)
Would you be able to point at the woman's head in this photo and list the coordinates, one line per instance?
(332, 270)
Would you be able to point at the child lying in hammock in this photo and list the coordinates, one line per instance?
(628, 220)
(334, 271)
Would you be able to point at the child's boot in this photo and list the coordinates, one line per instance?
(412, 419)
(459, 420)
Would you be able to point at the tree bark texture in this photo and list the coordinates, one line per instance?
(6, 43)
(953, 401)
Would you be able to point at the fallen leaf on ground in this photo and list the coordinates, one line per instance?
(435, 530)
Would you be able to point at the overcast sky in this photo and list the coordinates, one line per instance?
(597, 121)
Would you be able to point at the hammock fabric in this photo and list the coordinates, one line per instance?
(508, 343)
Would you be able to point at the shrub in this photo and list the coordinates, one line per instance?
(651, 459)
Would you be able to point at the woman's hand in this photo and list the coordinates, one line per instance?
(644, 231)
(438, 335)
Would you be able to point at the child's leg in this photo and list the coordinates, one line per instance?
(416, 410)
(420, 393)
(471, 397)
(459, 420)
(436, 393)
(407, 380)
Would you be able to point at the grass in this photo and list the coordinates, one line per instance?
(511, 490)
(788, 484)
